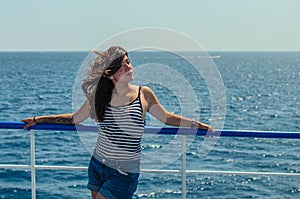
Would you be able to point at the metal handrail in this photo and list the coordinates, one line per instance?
(161, 131)
(167, 131)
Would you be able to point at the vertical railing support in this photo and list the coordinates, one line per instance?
(183, 166)
(32, 164)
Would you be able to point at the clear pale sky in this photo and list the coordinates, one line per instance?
(215, 24)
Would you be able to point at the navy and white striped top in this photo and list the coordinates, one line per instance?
(121, 131)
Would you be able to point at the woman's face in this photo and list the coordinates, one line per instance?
(125, 73)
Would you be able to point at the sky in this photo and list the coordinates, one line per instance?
(79, 25)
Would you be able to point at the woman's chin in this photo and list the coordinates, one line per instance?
(126, 79)
(129, 77)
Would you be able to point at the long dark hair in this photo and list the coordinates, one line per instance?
(97, 86)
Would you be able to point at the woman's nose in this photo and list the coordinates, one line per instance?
(129, 66)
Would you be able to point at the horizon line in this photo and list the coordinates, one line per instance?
(211, 50)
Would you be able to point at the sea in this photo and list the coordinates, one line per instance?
(259, 90)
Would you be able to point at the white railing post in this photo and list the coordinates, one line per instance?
(183, 166)
(32, 164)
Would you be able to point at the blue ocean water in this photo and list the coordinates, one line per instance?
(262, 93)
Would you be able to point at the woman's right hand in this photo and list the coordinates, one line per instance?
(29, 122)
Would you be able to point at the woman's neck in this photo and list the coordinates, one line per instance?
(122, 95)
(122, 89)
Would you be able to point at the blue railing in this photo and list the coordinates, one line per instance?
(166, 131)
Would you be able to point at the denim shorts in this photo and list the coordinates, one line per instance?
(111, 183)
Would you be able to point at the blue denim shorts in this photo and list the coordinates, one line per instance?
(111, 183)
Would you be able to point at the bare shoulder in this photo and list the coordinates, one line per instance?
(146, 89)
(147, 92)
(149, 96)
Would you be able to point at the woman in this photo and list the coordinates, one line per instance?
(119, 109)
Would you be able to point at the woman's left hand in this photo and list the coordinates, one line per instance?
(29, 122)
(211, 129)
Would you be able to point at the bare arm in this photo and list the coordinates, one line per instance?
(157, 110)
(68, 118)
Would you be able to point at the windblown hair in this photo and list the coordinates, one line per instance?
(97, 86)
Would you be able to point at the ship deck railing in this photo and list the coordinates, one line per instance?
(148, 130)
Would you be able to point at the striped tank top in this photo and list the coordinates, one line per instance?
(121, 131)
